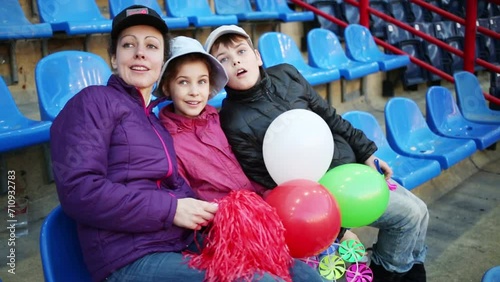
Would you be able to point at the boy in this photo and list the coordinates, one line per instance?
(256, 96)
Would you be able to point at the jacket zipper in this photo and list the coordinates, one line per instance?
(147, 112)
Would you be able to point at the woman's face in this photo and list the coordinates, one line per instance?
(190, 88)
(139, 56)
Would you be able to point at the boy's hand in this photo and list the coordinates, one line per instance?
(386, 169)
(193, 214)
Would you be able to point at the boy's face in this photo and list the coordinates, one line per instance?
(241, 63)
(190, 88)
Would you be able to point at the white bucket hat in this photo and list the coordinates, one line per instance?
(221, 30)
(182, 45)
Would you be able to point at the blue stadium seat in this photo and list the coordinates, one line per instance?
(15, 25)
(445, 119)
(409, 135)
(402, 39)
(217, 100)
(285, 13)
(331, 8)
(492, 274)
(377, 25)
(447, 31)
(360, 46)
(433, 53)
(350, 13)
(59, 76)
(60, 251)
(325, 51)
(401, 11)
(409, 172)
(418, 13)
(198, 12)
(116, 6)
(16, 130)
(471, 101)
(243, 10)
(486, 44)
(73, 17)
(278, 48)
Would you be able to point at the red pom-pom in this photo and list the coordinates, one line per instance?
(246, 238)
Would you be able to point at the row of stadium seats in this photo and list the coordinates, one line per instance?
(402, 10)
(452, 33)
(86, 18)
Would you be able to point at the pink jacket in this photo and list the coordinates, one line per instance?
(204, 156)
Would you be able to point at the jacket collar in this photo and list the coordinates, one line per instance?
(254, 93)
(177, 123)
(119, 84)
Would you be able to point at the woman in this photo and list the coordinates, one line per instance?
(115, 168)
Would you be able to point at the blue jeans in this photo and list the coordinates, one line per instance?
(173, 266)
(402, 231)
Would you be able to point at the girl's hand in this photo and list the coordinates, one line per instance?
(193, 214)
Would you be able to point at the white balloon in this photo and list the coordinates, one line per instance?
(297, 145)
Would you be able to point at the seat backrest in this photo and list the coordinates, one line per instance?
(405, 122)
(280, 6)
(377, 25)
(399, 11)
(433, 52)
(324, 49)
(232, 7)
(350, 13)
(418, 12)
(11, 13)
(9, 111)
(188, 8)
(57, 11)
(470, 98)
(492, 274)
(60, 250)
(360, 44)
(116, 6)
(441, 109)
(395, 34)
(331, 8)
(59, 76)
(15, 25)
(277, 48)
(367, 123)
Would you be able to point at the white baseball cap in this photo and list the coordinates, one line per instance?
(221, 30)
(182, 45)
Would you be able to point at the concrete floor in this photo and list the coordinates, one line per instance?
(464, 203)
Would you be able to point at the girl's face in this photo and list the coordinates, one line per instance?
(139, 57)
(190, 88)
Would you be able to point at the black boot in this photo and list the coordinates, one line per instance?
(416, 274)
(380, 274)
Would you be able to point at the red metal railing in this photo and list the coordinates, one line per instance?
(470, 28)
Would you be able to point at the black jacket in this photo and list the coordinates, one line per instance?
(246, 115)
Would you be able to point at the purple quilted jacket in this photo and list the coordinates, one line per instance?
(116, 175)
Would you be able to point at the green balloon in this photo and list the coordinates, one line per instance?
(361, 193)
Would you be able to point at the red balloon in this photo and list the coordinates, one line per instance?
(310, 215)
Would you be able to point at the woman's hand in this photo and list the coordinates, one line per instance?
(386, 169)
(193, 214)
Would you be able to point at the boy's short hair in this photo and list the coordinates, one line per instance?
(226, 35)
